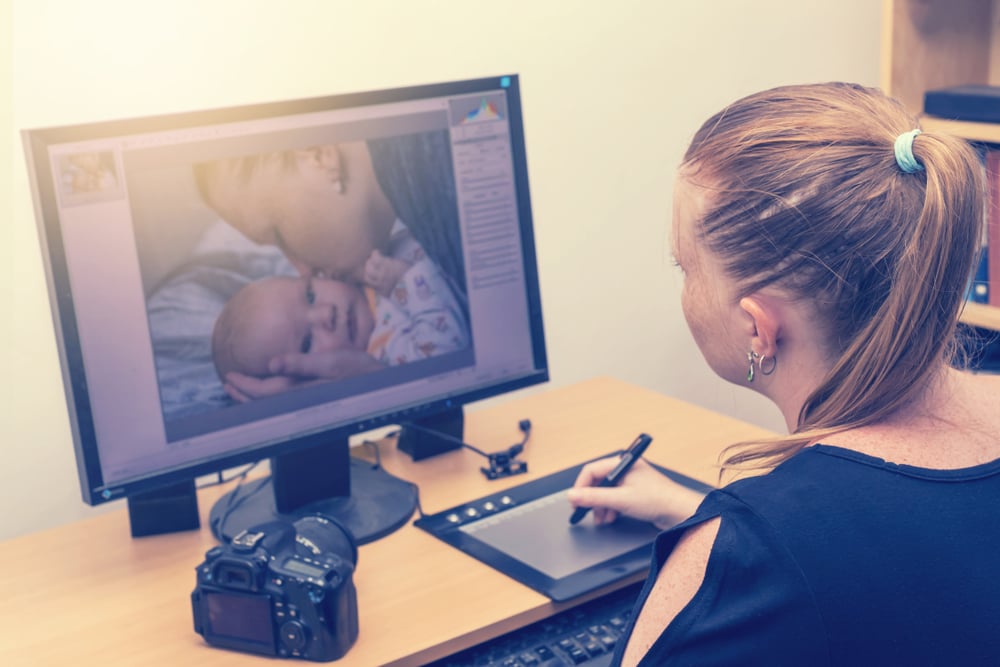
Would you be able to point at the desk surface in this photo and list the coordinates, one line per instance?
(88, 594)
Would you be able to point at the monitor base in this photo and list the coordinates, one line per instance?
(378, 504)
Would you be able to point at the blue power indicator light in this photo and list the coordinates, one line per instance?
(106, 494)
(505, 82)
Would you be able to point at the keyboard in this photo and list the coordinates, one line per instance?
(584, 635)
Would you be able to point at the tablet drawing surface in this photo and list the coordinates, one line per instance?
(525, 533)
(538, 533)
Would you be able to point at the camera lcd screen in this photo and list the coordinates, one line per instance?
(243, 617)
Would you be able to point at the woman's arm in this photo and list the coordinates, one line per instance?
(676, 584)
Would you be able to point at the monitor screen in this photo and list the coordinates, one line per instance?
(238, 284)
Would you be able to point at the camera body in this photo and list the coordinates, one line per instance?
(283, 589)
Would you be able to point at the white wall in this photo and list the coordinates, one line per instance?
(612, 93)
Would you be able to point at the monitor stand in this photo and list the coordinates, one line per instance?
(322, 478)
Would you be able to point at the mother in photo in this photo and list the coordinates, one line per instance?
(331, 209)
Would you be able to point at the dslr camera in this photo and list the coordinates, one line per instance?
(282, 589)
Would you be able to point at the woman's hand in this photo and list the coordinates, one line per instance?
(383, 273)
(644, 493)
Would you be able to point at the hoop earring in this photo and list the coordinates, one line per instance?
(769, 369)
(751, 356)
(340, 181)
(339, 177)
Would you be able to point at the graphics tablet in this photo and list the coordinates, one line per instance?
(525, 533)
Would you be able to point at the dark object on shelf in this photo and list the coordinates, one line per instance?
(971, 102)
(981, 348)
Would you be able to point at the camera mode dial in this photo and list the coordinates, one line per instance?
(293, 636)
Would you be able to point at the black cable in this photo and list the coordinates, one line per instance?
(524, 425)
(222, 479)
(232, 503)
(443, 436)
(377, 465)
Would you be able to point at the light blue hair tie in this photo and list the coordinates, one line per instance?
(904, 152)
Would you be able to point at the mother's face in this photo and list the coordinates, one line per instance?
(708, 298)
(322, 206)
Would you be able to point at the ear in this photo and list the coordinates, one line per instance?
(764, 318)
(328, 156)
(327, 160)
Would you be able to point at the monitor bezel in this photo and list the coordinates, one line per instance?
(36, 142)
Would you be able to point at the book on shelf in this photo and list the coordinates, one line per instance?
(979, 290)
(991, 256)
(968, 102)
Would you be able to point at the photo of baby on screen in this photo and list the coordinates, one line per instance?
(86, 177)
(309, 267)
(404, 312)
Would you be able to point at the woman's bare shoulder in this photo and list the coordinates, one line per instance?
(676, 585)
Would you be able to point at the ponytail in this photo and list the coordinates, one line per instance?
(809, 196)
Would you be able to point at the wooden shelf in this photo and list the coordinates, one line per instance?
(933, 44)
(981, 315)
(988, 132)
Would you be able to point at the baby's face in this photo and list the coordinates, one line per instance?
(307, 316)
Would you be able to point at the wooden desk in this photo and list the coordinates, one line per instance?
(88, 594)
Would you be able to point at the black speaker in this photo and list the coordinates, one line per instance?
(167, 510)
(430, 436)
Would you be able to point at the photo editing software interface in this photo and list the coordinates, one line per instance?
(147, 246)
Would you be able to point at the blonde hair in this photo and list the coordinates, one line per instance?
(243, 168)
(806, 195)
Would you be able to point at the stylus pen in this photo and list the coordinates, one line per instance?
(629, 457)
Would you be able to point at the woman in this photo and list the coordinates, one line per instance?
(826, 248)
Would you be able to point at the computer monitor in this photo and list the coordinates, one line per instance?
(152, 228)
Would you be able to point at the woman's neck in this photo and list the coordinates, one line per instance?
(952, 423)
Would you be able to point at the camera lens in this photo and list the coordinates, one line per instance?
(317, 534)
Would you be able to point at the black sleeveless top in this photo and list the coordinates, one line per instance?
(838, 558)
